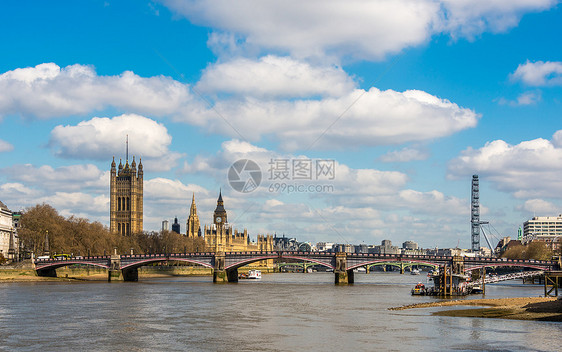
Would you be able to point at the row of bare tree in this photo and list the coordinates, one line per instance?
(78, 236)
(534, 250)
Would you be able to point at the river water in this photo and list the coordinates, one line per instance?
(281, 312)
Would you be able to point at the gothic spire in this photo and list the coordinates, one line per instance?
(193, 210)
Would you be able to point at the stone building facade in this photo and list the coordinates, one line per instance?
(220, 236)
(8, 239)
(126, 198)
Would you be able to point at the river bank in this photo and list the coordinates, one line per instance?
(521, 308)
(28, 274)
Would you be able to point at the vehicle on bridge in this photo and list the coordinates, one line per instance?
(61, 256)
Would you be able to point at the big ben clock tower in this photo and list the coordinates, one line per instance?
(219, 217)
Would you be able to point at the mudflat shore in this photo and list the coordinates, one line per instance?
(29, 275)
(520, 308)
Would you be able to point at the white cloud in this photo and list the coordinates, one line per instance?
(404, 155)
(316, 28)
(468, 18)
(356, 28)
(526, 98)
(539, 73)
(529, 169)
(346, 181)
(359, 118)
(64, 178)
(321, 118)
(352, 188)
(100, 137)
(17, 196)
(47, 90)
(5, 146)
(79, 204)
(540, 207)
(433, 202)
(163, 190)
(274, 76)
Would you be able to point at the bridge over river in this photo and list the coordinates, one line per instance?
(225, 265)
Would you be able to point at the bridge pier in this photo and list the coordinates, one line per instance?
(220, 274)
(343, 276)
(115, 273)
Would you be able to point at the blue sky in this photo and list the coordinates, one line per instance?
(409, 99)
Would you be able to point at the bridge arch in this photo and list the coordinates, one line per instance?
(63, 263)
(395, 262)
(147, 261)
(404, 264)
(247, 261)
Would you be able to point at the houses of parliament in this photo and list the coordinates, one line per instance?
(126, 214)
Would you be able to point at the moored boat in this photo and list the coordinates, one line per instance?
(419, 290)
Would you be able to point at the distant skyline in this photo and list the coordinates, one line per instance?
(366, 118)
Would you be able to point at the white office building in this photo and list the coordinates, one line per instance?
(543, 228)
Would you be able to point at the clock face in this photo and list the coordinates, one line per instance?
(219, 219)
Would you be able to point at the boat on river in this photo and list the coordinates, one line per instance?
(419, 290)
(414, 272)
(252, 275)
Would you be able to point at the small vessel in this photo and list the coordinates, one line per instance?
(414, 272)
(254, 274)
(419, 290)
(476, 289)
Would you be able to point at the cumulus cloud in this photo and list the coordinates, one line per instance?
(16, 195)
(317, 28)
(93, 205)
(273, 76)
(362, 29)
(315, 108)
(539, 73)
(404, 155)
(99, 138)
(163, 190)
(48, 90)
(467, 18)
(529, 169)
(540, 206)
(5, 146)
(64, 178)
(345, 180)
(79, 204)
(432, 202)
(359, 118)
(350, 187)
